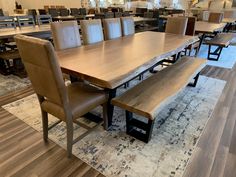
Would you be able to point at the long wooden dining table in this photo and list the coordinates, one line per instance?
(112, 63)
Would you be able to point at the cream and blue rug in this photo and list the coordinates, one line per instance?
(113, 153)
(227, 58)
(12, 83)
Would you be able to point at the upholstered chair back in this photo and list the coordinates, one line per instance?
(190, 30)
(91, 31)
(216, 17)
(112, 28)
(127, 24)
(65, 34)
(43, 69)
(176, 25)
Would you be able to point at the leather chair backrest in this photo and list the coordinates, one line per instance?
(176, 25)
(190, 30)
(91, 31)
(65, 34)
(127, 24)
(43, 69)
(112, 28)
(216, 17)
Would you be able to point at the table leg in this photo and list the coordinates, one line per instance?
(201, 40)
(110, 107)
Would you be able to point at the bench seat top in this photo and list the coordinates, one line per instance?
(222, 39)
(148, 97)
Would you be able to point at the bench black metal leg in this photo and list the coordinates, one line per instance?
(138, 129)
(126, 85)
(216, 53)
(195, 81)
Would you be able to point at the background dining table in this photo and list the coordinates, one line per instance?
(42, 31)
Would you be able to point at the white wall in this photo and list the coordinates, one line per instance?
(7, 6)
(37, 4)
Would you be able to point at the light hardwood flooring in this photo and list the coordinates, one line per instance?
(23, 152)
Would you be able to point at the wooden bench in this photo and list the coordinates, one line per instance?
(221, 40)
(150, 96)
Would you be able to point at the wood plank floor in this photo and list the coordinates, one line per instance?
(23, 152)
(215, 154)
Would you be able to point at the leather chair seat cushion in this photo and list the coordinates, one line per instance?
(82, 99)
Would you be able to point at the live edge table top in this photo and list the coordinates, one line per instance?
(110, 64)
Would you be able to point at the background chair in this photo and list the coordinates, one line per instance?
(53, 12)
(65, 34)
(44, 19)
(10, 62)
(82, 11)
(126, 14)
(67, 103)
(24, 21)
(118, 14)
(74, 11)
(64, 12)
(109, 15)
(112, 28)
(190, 30)
(148, 15)
(42, 12)
(91, 31)
(215, 17)
(7, 22)
(33, 12)
(127, 24)
(176, 25)
(1, 13)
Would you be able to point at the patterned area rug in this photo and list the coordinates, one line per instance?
(176, 132)
(227, 58)
(12, 83)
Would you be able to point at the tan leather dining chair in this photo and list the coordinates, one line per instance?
(91, 31)
(65, 34)
(176, 25)
(127, 24)
(216, 17)
(67, 103)
(112, 28)
(190, 30)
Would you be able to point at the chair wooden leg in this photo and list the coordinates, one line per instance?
(45, 125)
(70, 130)
(105, 116)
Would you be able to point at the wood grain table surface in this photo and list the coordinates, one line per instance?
(112, 63)
(207, 27)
